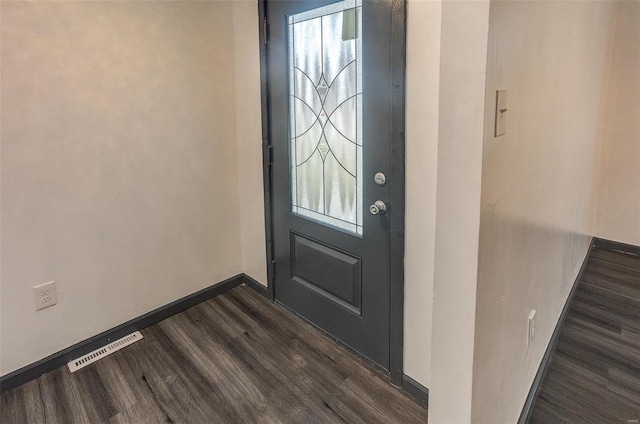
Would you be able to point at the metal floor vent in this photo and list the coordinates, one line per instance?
(100, 353)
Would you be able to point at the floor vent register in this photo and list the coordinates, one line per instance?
(103, 351)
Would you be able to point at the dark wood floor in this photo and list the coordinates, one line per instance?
(233, 359)
(594, 375)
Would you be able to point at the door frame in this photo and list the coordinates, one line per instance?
(397, 180)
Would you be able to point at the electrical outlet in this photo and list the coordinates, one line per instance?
(44, 295)
(532, 327)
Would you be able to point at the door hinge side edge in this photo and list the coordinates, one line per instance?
(268, 151)
(265, 29)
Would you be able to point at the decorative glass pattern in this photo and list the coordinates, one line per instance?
(325, 114)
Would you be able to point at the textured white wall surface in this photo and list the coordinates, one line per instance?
(423, 73)
(463, 61)
(119, 169)
(538, 185)
(249, 138)
(618, 212)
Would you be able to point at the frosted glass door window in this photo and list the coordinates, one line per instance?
(325, 114)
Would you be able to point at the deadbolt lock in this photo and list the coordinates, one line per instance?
(380, 178)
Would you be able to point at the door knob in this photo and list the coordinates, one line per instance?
(378, 208)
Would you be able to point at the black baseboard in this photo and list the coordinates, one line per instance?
(616, 245)
(527, 410)
(52, 362)
(415, 389)
(256, 286)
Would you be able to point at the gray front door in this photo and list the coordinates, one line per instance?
(330, 110)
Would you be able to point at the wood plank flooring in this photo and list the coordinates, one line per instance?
(594, 375)
(232, 359)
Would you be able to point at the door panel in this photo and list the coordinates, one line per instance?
(330, 112)
(328, 271)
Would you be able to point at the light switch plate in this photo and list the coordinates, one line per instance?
(501, 113)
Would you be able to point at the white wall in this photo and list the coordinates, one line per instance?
(423, 79)
(538, 185)
(119, 175)
(618, 212)
(249, 138)
(463, 58)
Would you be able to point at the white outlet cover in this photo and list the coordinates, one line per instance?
(44, 295)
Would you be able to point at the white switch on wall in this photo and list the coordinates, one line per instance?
(501, 112)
